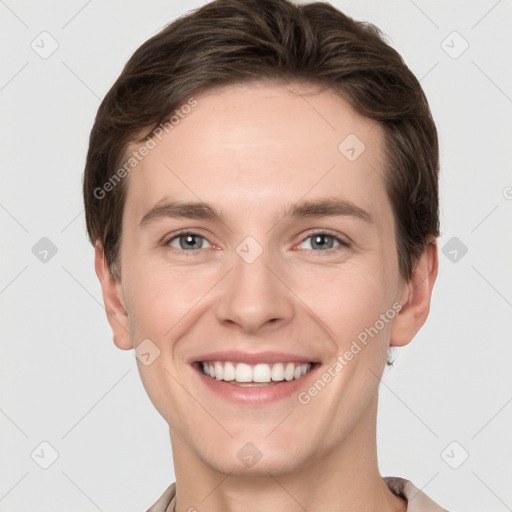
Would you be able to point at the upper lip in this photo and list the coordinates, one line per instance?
(252, 357)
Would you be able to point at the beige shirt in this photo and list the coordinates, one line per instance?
(417, 501)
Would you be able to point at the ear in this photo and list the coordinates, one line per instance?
(113, 299)
(415, 298)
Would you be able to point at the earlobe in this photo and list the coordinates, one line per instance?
(416, 298)
(117, 315)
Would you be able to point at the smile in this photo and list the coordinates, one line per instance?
(254, 379)
(261, 373)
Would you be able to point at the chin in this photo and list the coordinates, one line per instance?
(255, 458)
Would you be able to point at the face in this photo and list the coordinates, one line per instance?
(283, 278)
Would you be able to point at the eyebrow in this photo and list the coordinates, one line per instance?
(327, 207)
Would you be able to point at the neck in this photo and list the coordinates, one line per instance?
(345, 478)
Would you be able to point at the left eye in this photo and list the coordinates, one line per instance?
(324, 241)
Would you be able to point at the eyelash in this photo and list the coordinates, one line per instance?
(168, 240)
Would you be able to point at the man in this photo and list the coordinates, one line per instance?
(261, 189)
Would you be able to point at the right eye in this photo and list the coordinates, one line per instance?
(187, 241)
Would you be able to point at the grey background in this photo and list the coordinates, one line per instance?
(65, 383)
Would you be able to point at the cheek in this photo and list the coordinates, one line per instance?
(161, 297)
(347, 300)
(162, 310)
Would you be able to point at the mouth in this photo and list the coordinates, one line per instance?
(254, 375)
(253, 379)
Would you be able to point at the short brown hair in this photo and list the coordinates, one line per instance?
(237, 41)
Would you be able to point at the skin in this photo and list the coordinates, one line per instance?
(251, 150)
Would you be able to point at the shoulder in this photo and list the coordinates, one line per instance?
(165, 501)
(417, 500)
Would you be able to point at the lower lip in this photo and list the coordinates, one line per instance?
(256, 395)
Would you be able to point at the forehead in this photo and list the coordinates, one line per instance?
(258, 145)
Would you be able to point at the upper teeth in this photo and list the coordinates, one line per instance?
(261, 372)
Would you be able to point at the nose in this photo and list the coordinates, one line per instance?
(255, 297)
